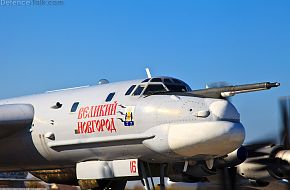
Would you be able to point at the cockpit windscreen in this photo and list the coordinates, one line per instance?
(161, 84)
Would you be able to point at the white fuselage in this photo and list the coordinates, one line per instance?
(156, 128)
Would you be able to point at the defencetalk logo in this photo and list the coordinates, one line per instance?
(9, 3)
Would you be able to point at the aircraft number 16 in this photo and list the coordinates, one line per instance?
(133, 166)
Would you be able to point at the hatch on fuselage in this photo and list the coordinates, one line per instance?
(158, 84)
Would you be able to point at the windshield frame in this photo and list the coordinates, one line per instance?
(173, 82)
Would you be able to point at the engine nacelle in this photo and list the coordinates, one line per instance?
(263, 172)
(232, 159)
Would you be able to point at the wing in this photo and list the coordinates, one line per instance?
(15, 117)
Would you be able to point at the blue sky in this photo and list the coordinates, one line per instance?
(77, 43)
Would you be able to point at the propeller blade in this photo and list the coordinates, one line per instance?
(252, 154)
(285, 122)
(254, 146)
(263, 161)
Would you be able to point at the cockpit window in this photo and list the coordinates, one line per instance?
(176, 88)
(156, 80)
(177, 81)
(138, 91)
(167, 81)
(175, 85)
(187, 87)
(130, 90)
(152, 88)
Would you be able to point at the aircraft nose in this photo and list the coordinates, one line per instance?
(214, 138)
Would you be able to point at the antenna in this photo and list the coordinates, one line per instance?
(148, 73)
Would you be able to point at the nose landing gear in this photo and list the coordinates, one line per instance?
(145, 180)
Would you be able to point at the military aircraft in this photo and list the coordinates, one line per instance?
(100, 137)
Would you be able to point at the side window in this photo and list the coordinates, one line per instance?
(177, 81)
(74, 107)
(176, 88)
(167, 81)
(138, 91)
(110, 97)
(130, 90)
(154, 88)
(156, 80)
